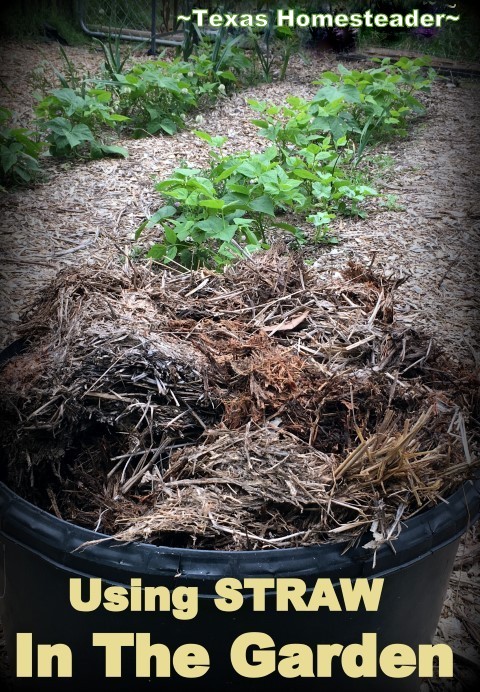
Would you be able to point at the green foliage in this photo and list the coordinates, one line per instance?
(71, 78)
(271, 49)
(263, 49)
(207, 217)
(216, 215)
(91, 107)
(72, 121)
(65, 137)
(154, 95)
(225, 54)
(315, 158)
(321, 222)
(223, 212)
(149, 98)
(114, 60)
(83, 116)
(290, 126)
(73, 118)
(191, 37)
(370, 105)
(219, 65)
(157, 95)
(355, 107)
(289, 42)
(19, 152)
(389, 203)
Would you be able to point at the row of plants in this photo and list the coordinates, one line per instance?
(85, 115)
(145, 99)
(311, 168)
(361, 105)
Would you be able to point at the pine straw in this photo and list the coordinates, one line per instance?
(270, 406)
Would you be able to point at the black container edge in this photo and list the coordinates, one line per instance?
(60, 542)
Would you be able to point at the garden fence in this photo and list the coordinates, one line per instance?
(152, 21)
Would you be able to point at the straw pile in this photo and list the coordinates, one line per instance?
(270, 406)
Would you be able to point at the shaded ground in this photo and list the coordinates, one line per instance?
(429, 231)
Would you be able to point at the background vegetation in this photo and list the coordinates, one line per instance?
(461, 41)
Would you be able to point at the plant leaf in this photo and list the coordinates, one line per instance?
(113, 150)
(263, 204)
(162, 213)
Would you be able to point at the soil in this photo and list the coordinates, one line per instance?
(87, 212)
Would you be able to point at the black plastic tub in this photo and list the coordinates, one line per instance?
(39, 557)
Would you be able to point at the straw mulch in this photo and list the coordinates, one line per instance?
(270, 406)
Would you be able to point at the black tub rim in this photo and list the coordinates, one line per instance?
(58, 541)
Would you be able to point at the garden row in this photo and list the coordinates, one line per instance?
(310, 170)
(85, 115)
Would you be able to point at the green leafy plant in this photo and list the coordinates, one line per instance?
(264, 53)
(357, 107)
(306, 153)
(223, 212)
(66, 139)
(221, 62)
(289, 126)
(390, 203)
(215, 215)
(289, 42)
(148, 98)
(91, 107)
(370, 105)
(321, 221)
(114, 60)
(154, 95)
(73, 121)
(157, 95)
(225, 55)
(191, 38)
(19, 152)
(70, 78)
(200, 225)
